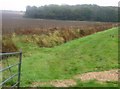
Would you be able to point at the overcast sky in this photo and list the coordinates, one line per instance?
(20, 5)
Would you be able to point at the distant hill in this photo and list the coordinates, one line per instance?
(13, 12)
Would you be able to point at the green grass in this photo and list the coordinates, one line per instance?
(94, 83)
(96, 52)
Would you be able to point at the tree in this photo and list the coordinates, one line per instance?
(73, 12)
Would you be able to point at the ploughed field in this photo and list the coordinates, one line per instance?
(12, 22)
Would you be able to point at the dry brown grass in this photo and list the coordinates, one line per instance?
(56, 36)
(8, 45)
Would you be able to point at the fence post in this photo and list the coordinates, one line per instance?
(19, 70)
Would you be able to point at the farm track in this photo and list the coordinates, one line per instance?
(103, 76)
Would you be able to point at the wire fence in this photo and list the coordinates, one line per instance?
(10, 70)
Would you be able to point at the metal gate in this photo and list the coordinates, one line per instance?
(10, 70)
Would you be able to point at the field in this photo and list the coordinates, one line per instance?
(46, 33)
(79, 52)
(12, 22)
(96, 52)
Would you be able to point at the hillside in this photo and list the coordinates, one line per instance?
(95, 52)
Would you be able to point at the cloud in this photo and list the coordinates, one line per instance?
(21, 4)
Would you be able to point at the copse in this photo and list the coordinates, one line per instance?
(74, 12)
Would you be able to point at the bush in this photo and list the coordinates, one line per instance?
(50, 40)
(8, 45)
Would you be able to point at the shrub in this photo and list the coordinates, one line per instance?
(8, 45)
(50, 40)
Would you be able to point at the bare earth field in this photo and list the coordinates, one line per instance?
(15, 21)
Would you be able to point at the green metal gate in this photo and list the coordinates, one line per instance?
(10, 68)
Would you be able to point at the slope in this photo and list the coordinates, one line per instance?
(91, 53)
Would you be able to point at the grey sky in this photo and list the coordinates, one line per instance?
(20, 5)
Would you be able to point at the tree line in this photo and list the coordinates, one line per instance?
(74, 12)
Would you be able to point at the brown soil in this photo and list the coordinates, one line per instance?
(103, 76)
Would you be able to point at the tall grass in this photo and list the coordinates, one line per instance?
(53, 36)
(8, 45)
(56, 36)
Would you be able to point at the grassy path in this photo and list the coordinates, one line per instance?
(103, 76)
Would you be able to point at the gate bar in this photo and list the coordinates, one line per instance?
(9, 67)
(10, 53)
(19, 70)
(8, 79)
